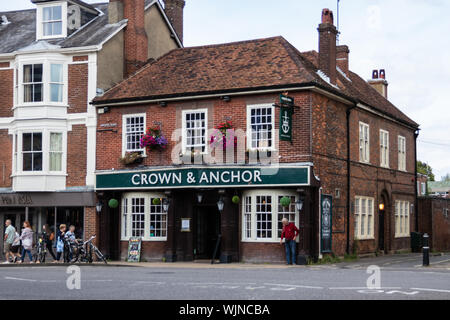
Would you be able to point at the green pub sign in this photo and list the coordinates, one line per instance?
(286, 112)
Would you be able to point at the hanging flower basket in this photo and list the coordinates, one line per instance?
(220, 136)
(156, 201)
(153, 139)
(285, 201)
(236, 199)
(113, 203)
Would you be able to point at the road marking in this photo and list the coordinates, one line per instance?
(292, 285)
(363, 288)
(20, 279)
(432, 290)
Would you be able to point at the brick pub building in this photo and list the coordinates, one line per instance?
(54, 59)
(347, 165)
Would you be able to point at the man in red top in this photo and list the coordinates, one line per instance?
(290, 232)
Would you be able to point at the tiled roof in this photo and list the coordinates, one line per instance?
(21, 31)
(247, 65)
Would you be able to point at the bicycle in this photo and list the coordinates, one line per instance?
(84, 252)
(41, 250)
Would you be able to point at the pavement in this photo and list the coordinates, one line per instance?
(401, 277)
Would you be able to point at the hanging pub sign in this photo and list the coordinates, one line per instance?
(286, 111)
(326, 225)
(134, 249)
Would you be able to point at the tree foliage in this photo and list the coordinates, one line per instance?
(425, 169)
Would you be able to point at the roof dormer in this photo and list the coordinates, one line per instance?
(60, 18)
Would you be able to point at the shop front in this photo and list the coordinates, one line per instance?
(40, 208)
(204, 212)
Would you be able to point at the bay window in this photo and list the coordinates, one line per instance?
(260, 126)
(262, 214)
(32, 83)
(144, 217)
(42, 82)
(56, 151)
(32, 151)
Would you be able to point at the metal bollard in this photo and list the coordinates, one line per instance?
(426, 250)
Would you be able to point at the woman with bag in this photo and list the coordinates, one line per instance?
(27, 241)
(49, 236)
(60, 242)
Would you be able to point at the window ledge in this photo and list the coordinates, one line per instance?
(39, 174)
(40, 104)
(148, 240)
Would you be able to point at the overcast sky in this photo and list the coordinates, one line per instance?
(408, 38)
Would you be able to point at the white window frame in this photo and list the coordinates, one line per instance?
(401, 153)
(46, 83)
(18, 154)
(364, 143)
(423, 186)
(368, 213)
(384, 148)
(250, 130)
(124, 132)
(57, 152)
(275, 194)
(184, 130)
(402, 219)
(126, 221)
(40, 20)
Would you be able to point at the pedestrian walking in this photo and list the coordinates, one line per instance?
(59, 243)
(8, 240)
(48, 236)
(289, 233)
(15, 248)
(27, 241)
(71, 241)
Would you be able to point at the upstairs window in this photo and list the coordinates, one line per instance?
(32, 83)
(32, 151)
(194, 130)
(384, 149)
(56, 82)
(401, 153)
(52, 23)
(261, 126)
(364, 143)
(133, 130)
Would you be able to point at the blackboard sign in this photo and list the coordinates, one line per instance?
(326, 230)
(134, 249)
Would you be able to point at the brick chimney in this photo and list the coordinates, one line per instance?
(327, 45)
(174, 11)
(342, 58)
(379, 83)
(136, 41)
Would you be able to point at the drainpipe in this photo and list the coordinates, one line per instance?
(416, 209)
(348, 112)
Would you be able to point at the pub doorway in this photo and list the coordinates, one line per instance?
(206, 232)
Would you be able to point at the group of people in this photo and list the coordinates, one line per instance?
(13, 241)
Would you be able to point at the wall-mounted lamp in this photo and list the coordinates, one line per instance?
(166, 204)
(99, 207)
(220, 204)
(226, 98)
(199, 197)
(163, 104)
(299, 204)
(381, 206)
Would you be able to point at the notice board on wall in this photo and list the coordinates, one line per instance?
(134, 249)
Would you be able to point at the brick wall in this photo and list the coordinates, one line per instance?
(435, 220)
(6, 142)
(76, 156)
(6, 91)
(78, 88)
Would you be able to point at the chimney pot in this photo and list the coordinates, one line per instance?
(382, 74)
(327, 16)
(375, 74)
